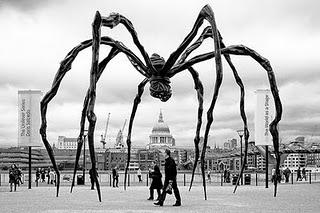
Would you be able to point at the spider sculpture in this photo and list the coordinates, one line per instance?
(158, 72)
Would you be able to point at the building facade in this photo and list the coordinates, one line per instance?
(66, 143)
(295, 160)
(20, 157)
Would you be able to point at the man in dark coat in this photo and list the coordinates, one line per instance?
(287, 173)
(299, 174)
(43, 175)
(115, 177)
(170, 179)
(225, 174)
(156, 183)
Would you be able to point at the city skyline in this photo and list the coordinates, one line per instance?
(39, 34)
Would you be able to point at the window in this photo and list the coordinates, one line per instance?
(162, 139)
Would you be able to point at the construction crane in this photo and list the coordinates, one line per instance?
(103, 137)
(119, 139)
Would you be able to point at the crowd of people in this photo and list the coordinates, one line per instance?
(15, 176)
(42, 174)
(286, 172)
(169, 185)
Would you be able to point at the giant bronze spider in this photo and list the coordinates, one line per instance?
(158, 72)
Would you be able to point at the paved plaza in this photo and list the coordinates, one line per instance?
(291, 198)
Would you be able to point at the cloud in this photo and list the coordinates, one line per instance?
(25, 6)
(39, 34)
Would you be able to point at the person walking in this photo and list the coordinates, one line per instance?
(48, 175)
(43, 175)
(19, 174)
(225, 172)
(287, 173)
(299, 174)
(139, 175)
(209, 175)
(115, 177)
(228, 176)
(304, 176)
(51, 176)
(170, 180)
(37, 176)
(273, 175)
(156, 183)
(13, 177)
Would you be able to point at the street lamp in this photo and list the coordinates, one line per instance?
(240, 133)
(85, 134)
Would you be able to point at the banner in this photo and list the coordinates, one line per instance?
(29, 117)
(264, 114)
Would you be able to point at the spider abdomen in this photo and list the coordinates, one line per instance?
(159, 84)
(160, 88)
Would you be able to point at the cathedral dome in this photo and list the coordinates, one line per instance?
(160, 127)
(160, 135)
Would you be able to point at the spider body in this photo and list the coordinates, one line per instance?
(158, 72)
(159, 83)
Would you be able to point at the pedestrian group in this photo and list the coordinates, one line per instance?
(14, 177)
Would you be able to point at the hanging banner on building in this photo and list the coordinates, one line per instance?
(264, 115)
(29, 117)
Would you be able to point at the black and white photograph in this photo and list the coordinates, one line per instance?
(159, 106)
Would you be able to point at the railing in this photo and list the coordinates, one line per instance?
(183, 179)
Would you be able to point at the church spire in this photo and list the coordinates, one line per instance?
(160, 117)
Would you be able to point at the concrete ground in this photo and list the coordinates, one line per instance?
(291, 198)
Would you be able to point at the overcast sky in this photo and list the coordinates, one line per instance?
(37, 34)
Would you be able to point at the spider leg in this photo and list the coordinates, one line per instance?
(209, 15)
(113, 20)
(114, 51)
(80, 138)
(273, 127)
(96, 39)
(242, 112)
(136, 102)
(207, 32)
(65, 66)
(102, 66)
(43, 110)
(199, 89)
(135, 61)
(205, 13)
(231, 50)
(243, 50)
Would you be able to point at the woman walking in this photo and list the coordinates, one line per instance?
(13, 177)
(156, 183)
